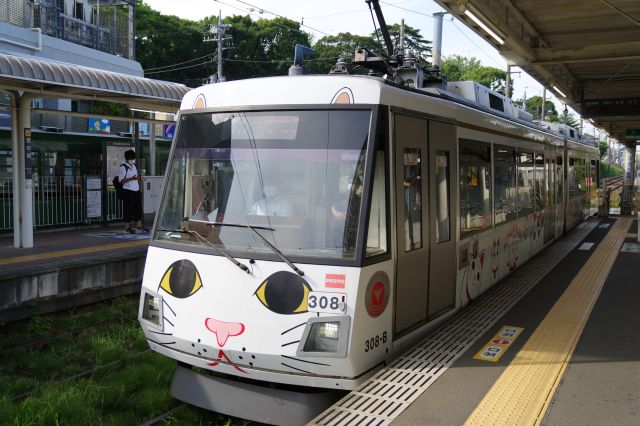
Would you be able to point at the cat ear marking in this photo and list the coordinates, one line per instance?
(200, 102)
(343, 96)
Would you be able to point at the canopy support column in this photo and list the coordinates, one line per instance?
(26, 187)
(16, 168)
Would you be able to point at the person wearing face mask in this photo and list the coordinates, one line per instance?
(132, 202)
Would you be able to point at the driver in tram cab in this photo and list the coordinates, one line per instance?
(271, 204)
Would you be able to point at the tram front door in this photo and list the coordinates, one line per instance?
(425, 282)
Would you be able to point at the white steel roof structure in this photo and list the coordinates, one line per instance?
(588, 50)
(55, 79)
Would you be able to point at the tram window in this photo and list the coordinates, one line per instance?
(540, 192)
(580, 175)
(411, 158)
(571, 177)
(442, 197)
(559, 179)
(525, 183)
(299, 174)
(504, 160)
(377, 232)
(475, 187)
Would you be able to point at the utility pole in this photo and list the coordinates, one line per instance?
(544, 101)
(508, 82)
(219, 31)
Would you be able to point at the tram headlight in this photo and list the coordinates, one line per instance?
(152, 309)
(325, 336)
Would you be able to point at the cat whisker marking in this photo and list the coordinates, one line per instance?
(294, 368)
(161, 343)
(171, 309)
(290, 343)
(160, 332)
(292, 328)
(165, 318)
(302, 360)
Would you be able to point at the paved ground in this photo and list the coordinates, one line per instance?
(601, 384)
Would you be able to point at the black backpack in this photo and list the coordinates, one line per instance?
(118, 186)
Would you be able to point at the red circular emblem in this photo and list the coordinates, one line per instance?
(377, 294)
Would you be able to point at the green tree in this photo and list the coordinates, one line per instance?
(260, 48)
(343, 45)
(413, 42)
(534, 106)
(458, 68)
(162, 41)
(604, 149)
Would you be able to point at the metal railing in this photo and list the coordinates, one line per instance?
(111, 34)
(57, 201)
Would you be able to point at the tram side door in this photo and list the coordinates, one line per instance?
(549, 202)
(412, 231)
(442, 190)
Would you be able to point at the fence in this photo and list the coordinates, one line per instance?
(112, 35)
(57, 201)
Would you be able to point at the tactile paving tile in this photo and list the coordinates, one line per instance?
(390, 391)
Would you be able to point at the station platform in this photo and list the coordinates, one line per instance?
(69, 268)
(555, 343)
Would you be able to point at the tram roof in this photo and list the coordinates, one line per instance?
(57, 79)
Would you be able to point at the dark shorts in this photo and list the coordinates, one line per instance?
(131, 206)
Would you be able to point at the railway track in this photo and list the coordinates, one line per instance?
(87, 373)
(614, 183)
(157, 419)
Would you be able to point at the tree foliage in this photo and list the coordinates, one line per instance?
(603, 146)
(457, 68)
(163, 40)
(330, 48)
(169, 47)
(262, 47)
(534, 106)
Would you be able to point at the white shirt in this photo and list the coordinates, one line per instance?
(125, 173)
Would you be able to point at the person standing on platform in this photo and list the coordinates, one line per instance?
(132, 202)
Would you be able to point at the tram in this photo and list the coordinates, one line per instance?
(314, 227)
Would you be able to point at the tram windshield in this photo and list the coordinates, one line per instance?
(296, 174)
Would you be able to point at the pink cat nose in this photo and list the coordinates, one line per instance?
(223, 329)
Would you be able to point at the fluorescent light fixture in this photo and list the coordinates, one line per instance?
(560, 92)
(484, 26)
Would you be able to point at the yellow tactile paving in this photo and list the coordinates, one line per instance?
(522, 394)
(71, 252)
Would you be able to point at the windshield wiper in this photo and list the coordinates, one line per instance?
(203, 239)
(254, 228)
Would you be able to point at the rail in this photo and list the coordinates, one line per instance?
(57, 201)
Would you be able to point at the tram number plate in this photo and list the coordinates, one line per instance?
(320, 301)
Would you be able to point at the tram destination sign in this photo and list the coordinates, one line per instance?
(632, 133)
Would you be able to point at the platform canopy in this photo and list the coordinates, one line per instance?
(588, 49)
(61, 80)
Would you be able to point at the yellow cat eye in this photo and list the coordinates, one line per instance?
(284, 293)
(181, 279)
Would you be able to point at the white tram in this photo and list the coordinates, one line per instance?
(314, 227)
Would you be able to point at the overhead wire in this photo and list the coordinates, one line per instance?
(254, 14)
(181, 68)
(302, 24)
(476, 45)
(179, 63)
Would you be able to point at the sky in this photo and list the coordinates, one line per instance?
(330, 17)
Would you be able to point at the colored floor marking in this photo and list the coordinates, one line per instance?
(498, 345)
(523, 392)
(71, 252)
(586, 246)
